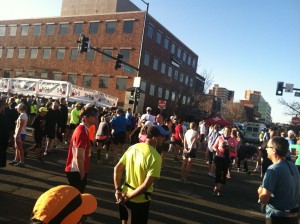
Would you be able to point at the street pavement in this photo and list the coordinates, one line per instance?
(173, 202)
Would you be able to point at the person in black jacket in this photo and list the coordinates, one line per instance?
(12, 115)
(62, 120)
(4, 133)
(51, 121)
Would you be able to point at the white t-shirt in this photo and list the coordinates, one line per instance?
(24, 117)
(148, 117)
(190, 135)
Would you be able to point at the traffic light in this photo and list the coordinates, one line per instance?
(137, 94)
(132, 93)
(279, 90)
(118, 61)
(83, 43)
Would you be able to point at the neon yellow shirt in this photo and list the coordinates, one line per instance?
(140, 160)
(74, 116)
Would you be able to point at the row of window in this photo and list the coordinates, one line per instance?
(164, 68)
(60, 53)
(77, 27)
(180, 54)
(103, 83)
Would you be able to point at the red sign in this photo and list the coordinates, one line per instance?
(162, 104)
(295, 121)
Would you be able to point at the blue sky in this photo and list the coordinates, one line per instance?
(246, 44)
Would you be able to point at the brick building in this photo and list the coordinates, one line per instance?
(46, 48)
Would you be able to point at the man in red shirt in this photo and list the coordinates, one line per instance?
(178, 136)
(78, 159)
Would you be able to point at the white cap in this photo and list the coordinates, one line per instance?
(291, 132)
(148, 108)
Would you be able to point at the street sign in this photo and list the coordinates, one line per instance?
(127, 69)
(137, 82)
(297, 93)
(162, 104)
(289, 87)
(295, 121)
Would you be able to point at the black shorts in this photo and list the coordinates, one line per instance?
(73, 126)
(179, 143)
(128, 128)
(211, 156)
(191, 154)
(202, 137)
(119, 138)
(50, 132)
(38, 139)
(75, 181)
(139, 212)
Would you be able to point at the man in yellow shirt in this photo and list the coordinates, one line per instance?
(142, 164)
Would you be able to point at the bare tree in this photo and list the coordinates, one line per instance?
(209, 79)
(234, 112)
(293, 108)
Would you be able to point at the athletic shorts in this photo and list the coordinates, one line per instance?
(139, 211)
(119, 138)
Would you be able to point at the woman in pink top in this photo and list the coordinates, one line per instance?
(223, 145)
(233, 152)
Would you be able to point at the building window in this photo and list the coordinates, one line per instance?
(60, 53)
(186, 80)
(189, 60)
(44, 75)
(163, 68)
(103, 82)
(150, 31)
(31, 74)
(78, 28)
(158, 37)
(94, 26)
(128, 26)
(13, 31)
(121, 83)
(87, 81)
(173, 48)
(166, 43)
(191, 82)
(19, 74)
(10, 53)
(63, 30)
(179, 52)
(21, 53)
(167, 94)
(24, 30)
(184, 56)
(159, 92)
(152, 90)
(146, 59)
(50, 29)
(126, 54)
(155, 64)
(181, 77)
(143, 85)
(57, 76)
(188, 100)
(194, 63)
(6, 73)
(170, 71)
(90, 55)
(183, 99)
(2, 31)
(110, 26)
(72, 78)
(173, 96)
(109, 52)
(36, 30)
(1, 52)
(46, 53)
(74, 54)
(33, 53)
(175, 75)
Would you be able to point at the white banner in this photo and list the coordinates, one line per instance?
(56, 89)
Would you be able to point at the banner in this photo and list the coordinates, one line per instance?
(56, 89)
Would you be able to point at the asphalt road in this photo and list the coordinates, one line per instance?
(173, 202)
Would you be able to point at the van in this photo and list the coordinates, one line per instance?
(252, 131)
